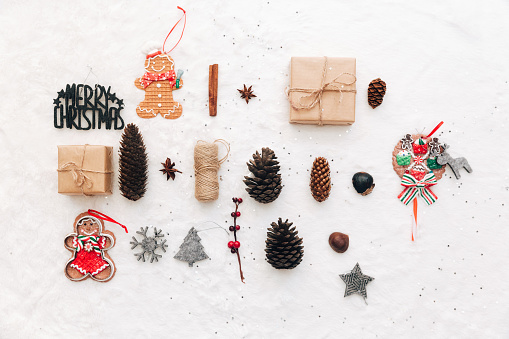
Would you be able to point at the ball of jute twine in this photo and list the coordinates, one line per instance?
(206, 165)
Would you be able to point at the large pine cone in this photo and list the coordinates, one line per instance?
(133, 164)
(284, 247)
(265, 186)
(320, 179)
(376, 92)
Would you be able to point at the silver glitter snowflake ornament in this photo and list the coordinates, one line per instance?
(149, 244)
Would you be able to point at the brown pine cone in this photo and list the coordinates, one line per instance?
(376, 92)
(320, 179)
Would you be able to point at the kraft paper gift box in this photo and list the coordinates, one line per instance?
(322, 91)
(85, 170)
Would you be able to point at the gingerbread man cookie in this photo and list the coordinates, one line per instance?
(89, 244)
(158, 82)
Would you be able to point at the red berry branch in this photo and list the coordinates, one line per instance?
(234, 245)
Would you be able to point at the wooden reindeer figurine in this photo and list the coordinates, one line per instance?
(455, 163)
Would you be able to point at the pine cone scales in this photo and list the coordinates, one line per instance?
(265, 186)
(376, 92)
(320, 179)
(284, 249)
(133, 164)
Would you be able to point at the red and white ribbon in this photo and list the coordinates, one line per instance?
(148, 78)
(413, 187)
(79, 243)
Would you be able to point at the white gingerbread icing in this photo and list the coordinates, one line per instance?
(147, 110)
(170, 111)
(147, 62)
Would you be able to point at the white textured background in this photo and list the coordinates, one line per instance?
(441, 61)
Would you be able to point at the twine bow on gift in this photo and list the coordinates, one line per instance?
(413, 187)
(315, 95)
(79, 177)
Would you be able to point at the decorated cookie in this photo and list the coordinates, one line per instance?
(432, 163)
(420, 146)
(404, 158)
(159, 82)
(89, 245)
(417, 178)
(435, 148)
(420, 159)
(406, 142)
(426, 168)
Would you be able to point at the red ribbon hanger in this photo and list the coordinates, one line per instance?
(185, 19)
(104, 217)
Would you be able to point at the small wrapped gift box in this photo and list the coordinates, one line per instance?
(322, 91)
(85, 170)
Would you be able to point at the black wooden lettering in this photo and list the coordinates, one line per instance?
(72, 112)
(72, 108)
(58, 116)
(89, 125)
(115, 114)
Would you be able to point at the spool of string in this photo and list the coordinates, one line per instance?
(206, 165)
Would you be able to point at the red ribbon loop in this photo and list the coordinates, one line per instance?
(435, 129)
(104, 217)
(185, 19)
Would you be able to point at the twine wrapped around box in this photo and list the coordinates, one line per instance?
(322, 91)
(84, 170)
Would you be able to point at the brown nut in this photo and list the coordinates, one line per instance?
(339, 242)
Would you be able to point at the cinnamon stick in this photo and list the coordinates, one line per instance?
(213, 72)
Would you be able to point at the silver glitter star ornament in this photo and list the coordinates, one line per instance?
(356, 282)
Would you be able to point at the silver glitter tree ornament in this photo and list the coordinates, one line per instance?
(191, 249)
(356, 282)
(149, 244)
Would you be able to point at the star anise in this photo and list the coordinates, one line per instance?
(246, 93)
(169, 170)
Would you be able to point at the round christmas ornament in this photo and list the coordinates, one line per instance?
(284, 249)
(363, 183)
(89, 245)
(320, 179)
(418, 159)
(265, 184)
(159, 82)
(339, 242)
